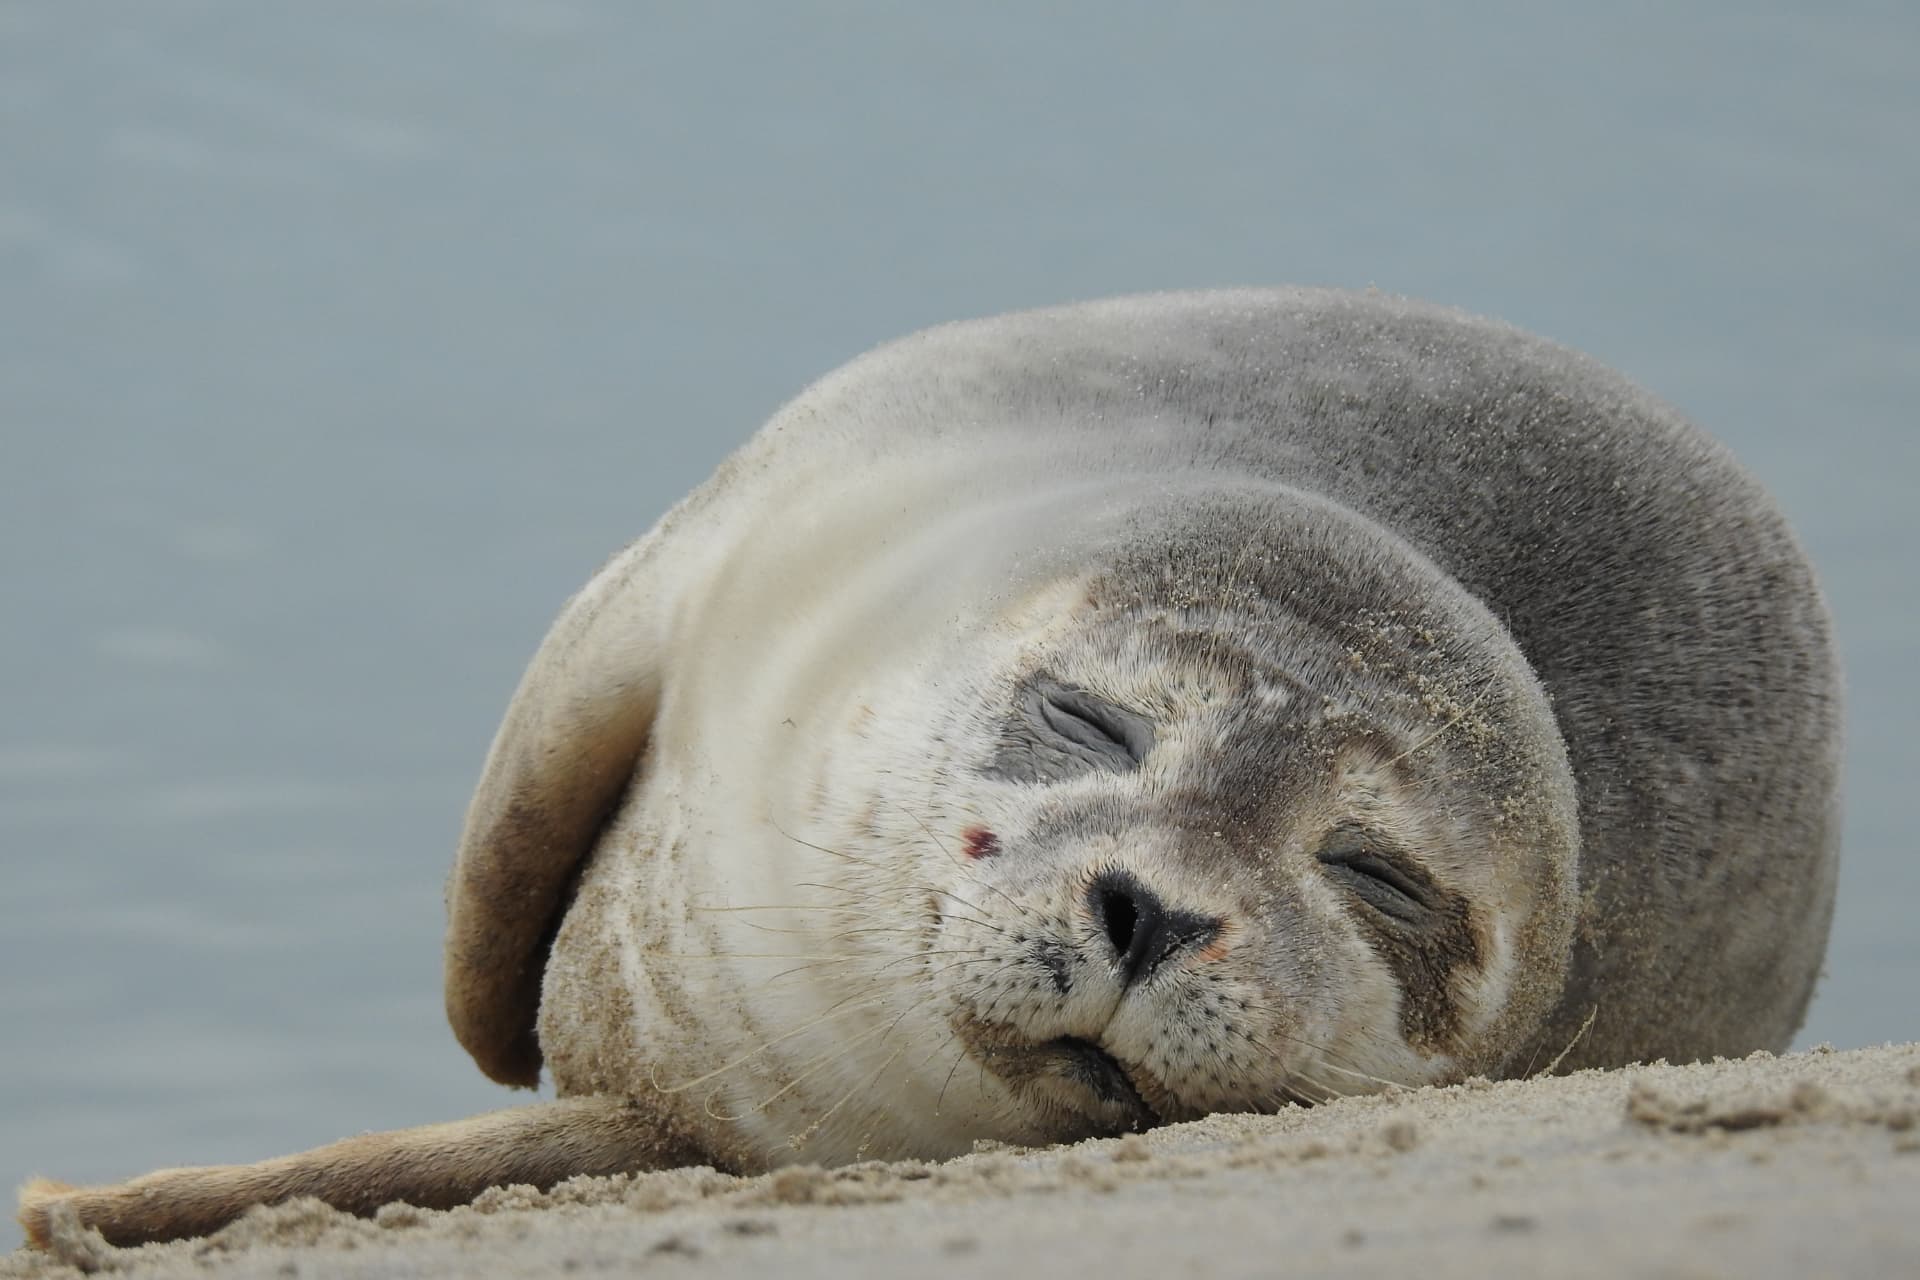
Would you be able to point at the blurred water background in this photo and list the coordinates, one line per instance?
(340, 342)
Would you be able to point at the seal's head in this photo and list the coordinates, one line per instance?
(1264, 809)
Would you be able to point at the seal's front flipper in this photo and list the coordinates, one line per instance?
(572, 739)
(434, 1166)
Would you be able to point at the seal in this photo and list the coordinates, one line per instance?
(1086, 719)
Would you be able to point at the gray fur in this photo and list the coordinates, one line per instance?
(1651, 584)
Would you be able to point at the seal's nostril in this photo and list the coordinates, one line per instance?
(1119, 916)
(1142, 930)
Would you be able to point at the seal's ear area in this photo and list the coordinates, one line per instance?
(434, 1167)
(565, 753)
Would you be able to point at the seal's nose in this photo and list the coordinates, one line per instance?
(1142, 930)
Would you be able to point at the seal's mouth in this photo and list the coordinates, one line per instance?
(1079, 1088)
(1085, 1063)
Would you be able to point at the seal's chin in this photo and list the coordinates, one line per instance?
(1084, 1090)
(1087, 1065)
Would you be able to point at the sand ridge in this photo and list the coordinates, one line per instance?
(1806, 1164)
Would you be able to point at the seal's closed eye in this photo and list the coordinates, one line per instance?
(1093, 724)
(1059, 732)
(1377, 874)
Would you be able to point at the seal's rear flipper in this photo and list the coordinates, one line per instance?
(434, 1166)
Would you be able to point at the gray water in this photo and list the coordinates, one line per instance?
(339, 343)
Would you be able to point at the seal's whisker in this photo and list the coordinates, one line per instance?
(808, 968)
(959, 1058)
(653, 953)
(846, 890)
(1316, 1093)
(1368, 1076)
(806, 1135)
(952, 965)
(946, 910)
(782, 906)
(836, 1053)
(814, 1127)
(913, 956)
(840, 1009)
(1329, 1056)
(939, 1042)
(910, 930)
(757, 927)
(871, 930)
(958, 862)
(815, 962)
(821, 848)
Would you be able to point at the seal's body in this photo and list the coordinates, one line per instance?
(1083, 719)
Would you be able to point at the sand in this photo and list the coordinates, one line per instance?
(1805, 1165)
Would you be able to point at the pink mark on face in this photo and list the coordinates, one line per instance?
(980, 842)
(1218, 948)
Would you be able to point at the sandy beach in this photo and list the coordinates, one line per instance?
(1805, 1165)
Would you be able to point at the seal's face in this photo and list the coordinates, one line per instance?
(1182, 862)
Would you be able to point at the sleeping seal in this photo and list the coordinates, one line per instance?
(1080, 720)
